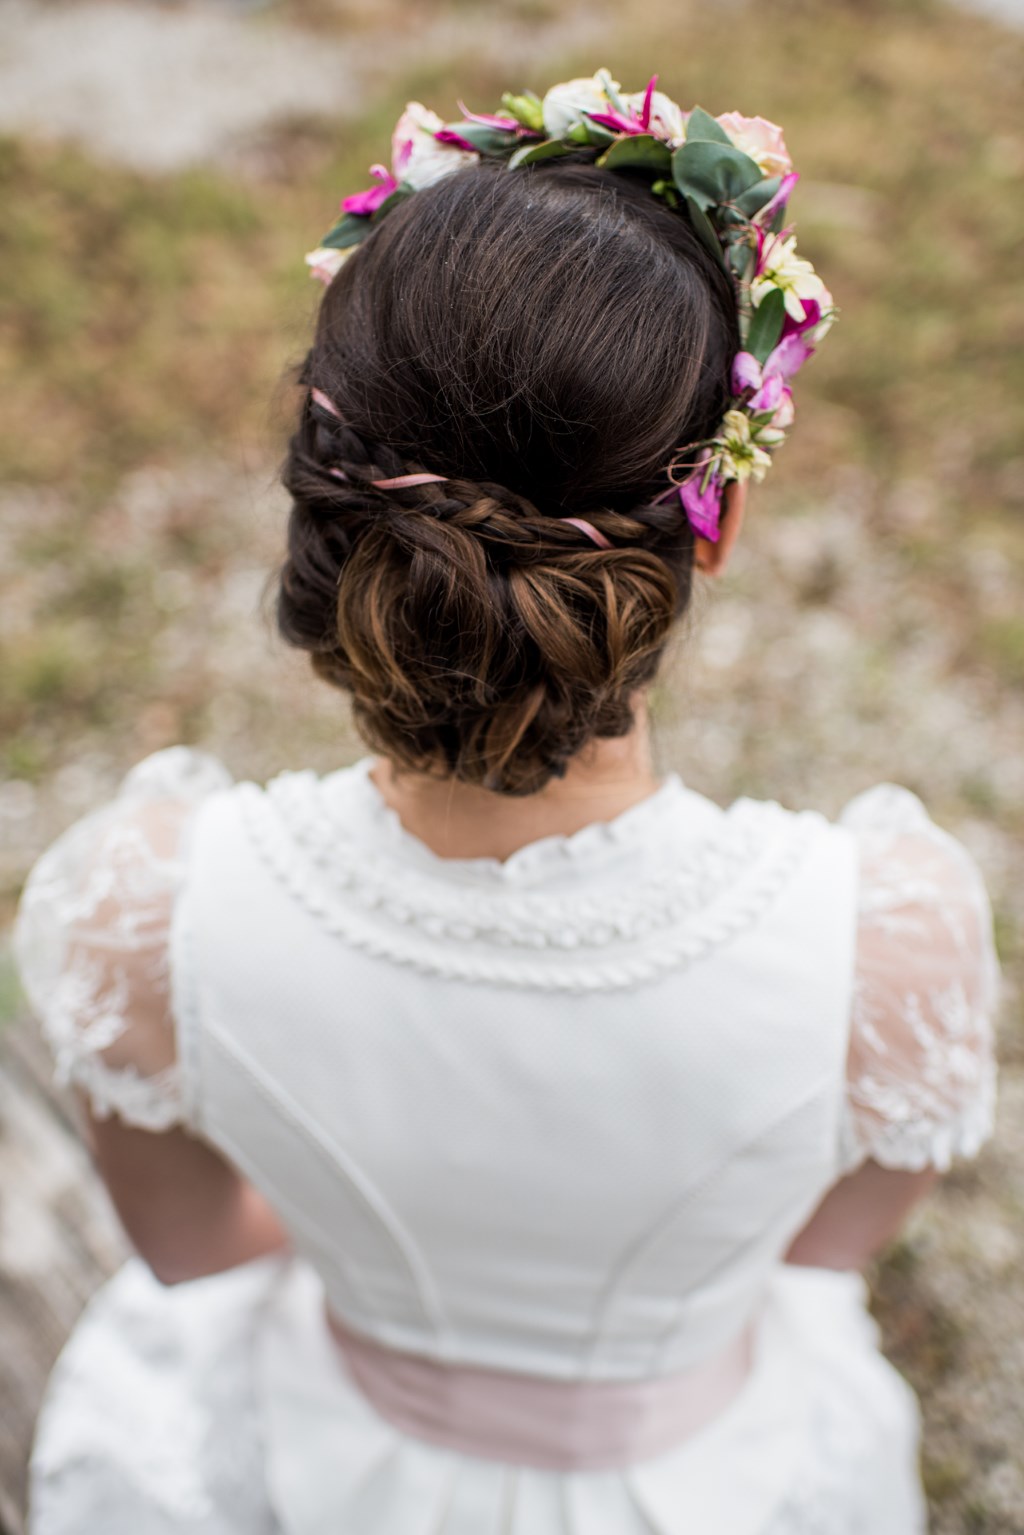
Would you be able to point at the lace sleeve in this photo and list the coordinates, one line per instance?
(91, 940)
(921, 1070)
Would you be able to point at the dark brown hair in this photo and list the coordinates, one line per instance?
(545, 338)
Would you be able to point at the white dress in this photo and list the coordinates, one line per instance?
(558, 1116)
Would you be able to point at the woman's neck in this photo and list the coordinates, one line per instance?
(457, 820)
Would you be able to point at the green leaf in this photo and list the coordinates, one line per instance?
(348, 231)
(704, 229)
(667, 191)
(702, 128)
(401, 192)
(755, 198)
(489, 141)
(740, 260)
(637, 151)
(596, 133)
(549, 150)
(713, 173)
(766, 325)
(527, 107)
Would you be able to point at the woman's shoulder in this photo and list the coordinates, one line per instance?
(91, 936)
(144, 814)
(902, 851)
(908, 859)
(921, 1066)
(117, 861)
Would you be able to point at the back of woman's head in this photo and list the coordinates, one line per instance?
(545, 339)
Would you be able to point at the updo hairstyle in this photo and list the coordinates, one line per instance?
(546, 338)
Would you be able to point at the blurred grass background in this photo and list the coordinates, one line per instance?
(874, 627)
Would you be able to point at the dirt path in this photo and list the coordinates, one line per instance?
(161, 87)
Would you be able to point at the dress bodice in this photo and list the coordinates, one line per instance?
(559, 1114)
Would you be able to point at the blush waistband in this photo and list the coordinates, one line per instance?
(557, 1425)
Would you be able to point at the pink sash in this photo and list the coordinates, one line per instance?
(558, 1425)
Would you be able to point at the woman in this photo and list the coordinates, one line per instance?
(506, 1125)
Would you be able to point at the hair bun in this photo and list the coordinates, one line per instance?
(480, 633)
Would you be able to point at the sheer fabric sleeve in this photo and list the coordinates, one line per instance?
(91, 940)
(921, 1067)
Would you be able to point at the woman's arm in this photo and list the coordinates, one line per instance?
(187, 1212)
(858, 1216)
(920, 1069)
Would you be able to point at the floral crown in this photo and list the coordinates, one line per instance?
(734, 176)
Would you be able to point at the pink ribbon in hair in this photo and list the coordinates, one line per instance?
(588, 528)
(325, 403)
(403, 481)
(399, 481)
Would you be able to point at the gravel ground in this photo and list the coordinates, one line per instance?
(159, 87)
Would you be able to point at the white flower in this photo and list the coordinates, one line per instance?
(824, 325)
(416, 156)
(667, 121)
(327, 263)
(783, 416)
(739, 455)
(760, 139)
(781, 267)
(564, 105)
(769, 436)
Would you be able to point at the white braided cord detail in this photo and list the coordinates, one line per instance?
(393, 912)
(505, 914)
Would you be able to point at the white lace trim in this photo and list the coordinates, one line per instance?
(147, 1102)
(613, 938)
(912, 1144)
(91, 943)
(922, 1070)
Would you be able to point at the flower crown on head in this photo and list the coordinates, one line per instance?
(734, 176)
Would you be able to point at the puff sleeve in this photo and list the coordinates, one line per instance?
(91, 940)
(921, 1067)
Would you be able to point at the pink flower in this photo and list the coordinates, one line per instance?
(616, 123)
(783, 417)
(449, 136)
(767, 213)
(769, 394)
(365, 203)
(418, 156)
(647, 111)
(659, 113)
(701, 498)
(812, 314)
(492, 120)
(787, 358)
(817, 320)
(760, 139)
(768, 383)
(746, 372)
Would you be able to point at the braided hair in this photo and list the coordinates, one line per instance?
(544, 340)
